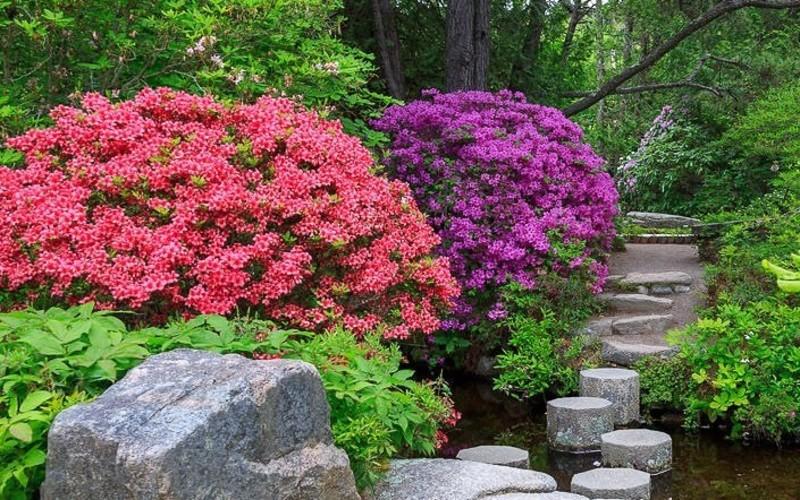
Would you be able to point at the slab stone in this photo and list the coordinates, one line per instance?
(648, 279)
(682, 289)
(660, 290)
(617, 385)
(496, 455)
(576, 424)
(626, 484)
(654, 219)
(191, 424)
(443, 479)
(635, 302)
(626, 354)
(642, 325)
(641, 449)
(556, 495)
(600, 327)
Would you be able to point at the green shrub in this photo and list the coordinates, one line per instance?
(50, 360)
(745, 364)
(238, 49)
(544, 352)
(665, 383)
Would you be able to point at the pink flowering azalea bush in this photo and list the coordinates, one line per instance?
(173, 203)
(510, 188)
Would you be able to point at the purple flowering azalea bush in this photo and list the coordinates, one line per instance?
(514, 193)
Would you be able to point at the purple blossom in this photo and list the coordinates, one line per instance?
(503, 182)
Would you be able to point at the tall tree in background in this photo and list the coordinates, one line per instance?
(467, 45)
(389, 47)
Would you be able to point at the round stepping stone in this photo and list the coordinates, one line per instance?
(617, 385)
(576, 424)
(641, 449)
(496, 455)
(627, 484)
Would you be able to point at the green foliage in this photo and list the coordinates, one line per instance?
(665, 383)
(237, 49)
(769, 131)
(745, 364)
(50, 360)
(544, 353)
(788, 280)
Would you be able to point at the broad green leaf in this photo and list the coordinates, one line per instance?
(21, 431)
(44, 343)
(34, 457)
(34, 399)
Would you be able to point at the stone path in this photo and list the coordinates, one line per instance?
(653, 288)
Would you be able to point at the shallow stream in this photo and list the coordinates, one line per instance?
(705, 465)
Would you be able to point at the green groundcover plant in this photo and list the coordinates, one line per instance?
(50, 360)
(745, 364)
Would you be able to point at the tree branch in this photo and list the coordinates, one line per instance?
(719, 9)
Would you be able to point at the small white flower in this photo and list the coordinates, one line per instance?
(217, 61)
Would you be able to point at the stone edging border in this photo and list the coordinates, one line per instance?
(683, 239)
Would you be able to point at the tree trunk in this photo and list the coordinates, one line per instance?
(467, 45)
(574, 19)
(481, 45)
(601, 56)
(389, 47)
(530, 51)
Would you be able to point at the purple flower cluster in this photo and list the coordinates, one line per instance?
(627, 170)
(509, 187)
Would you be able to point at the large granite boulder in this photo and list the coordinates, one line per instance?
(442, 479)
(196, 425)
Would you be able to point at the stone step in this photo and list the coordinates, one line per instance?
(657, 283)
(647, 324)
(576, 424)
(496, 455)
(641, 449)
(635, 302)
(617, 385)
(627, 350)
(627, 484)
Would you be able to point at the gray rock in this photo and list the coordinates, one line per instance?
(626, 354)
(556, 495)
(640, 449)
(635, 302)
(627, 484)
(576, 424)
(682, 289)
(600, 327)
(653, 219)
(442, 479)
(648, 279)
(496, 455)
(643, 290)
(661, 290)
(196, 425)
(642, 325)
(617, 385)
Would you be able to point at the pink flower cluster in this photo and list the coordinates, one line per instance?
(171, 203)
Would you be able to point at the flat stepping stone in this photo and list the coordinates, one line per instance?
(635, 302)
(641, 325)
(626, 484)
(556, 495)
(600, 327)
(576, 424)
(649, 279)
(496, 455)
(618, 385)
(445, 479)
(641, 449)
(627, 353)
